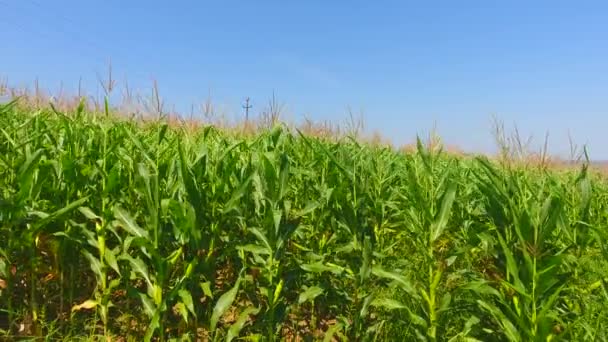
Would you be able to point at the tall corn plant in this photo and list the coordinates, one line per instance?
(155, 254)
(271, 227)
(214, 183)
(356, 204)
(211, 236)
(428, 195)
(31, 222)
(526, 220)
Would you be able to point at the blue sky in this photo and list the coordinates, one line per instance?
(407, 66)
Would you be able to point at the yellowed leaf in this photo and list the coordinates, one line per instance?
(86, 305)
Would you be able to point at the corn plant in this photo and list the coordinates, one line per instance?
(525, 219)
(120, 228)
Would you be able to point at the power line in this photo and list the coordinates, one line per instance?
(247, 106)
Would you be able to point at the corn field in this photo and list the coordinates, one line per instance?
(120, 230)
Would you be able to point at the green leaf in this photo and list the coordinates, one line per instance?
(441, 220)
(319, 267)
(366, 303)
(365, 270)
(283, 176)
(181, 308)
(255, 249)
(129, 224)
(508, 328)
(95, 265)
(152, 326)
(402, 281)
(110, 258)
(137, 142)
(481, 287)
(138, 267)
(262, 237)
(511, 265)
(206, 287)
(148, 304)
(223, 304)
(235, 329)
(333, 330)
(237, 195)
(55, 215)
(89, 214)
(28, 167)
(186, 298)
(3, 268)
(445, 302)
(309, 208)
(388, 304)
(309, 294)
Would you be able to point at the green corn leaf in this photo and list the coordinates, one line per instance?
(148, 304)
(340, 166)
(366, 267)
(223, 304)
(94, 264)
(137, 143)
(277, 291)
(3, 268)
(186, 298)
(181, 309)
(548, 304)
(261, 237)
(283, 177)
(237, 195)
(29, 166)
(482, 287)
(401, 280)
(276, 219)
(129, 224)
(441, 220)
(319, 267)
(331, 332)
(206, 287)
(139, 267)
(89, 214)
(309, 208)
(236, 327)
(446, 300)
(424, 155)
(189, 180)
(392, 304)
(59, 213)
(152, 327)
(229, 150)
(309, 293)
(365, 307)
(511, 265)
(508, 328)
(110, 258)
(388, 304)
(255, 249)
(162, 132)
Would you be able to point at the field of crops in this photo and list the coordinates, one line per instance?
(129, 231)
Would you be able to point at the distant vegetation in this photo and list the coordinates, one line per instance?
(122, 229)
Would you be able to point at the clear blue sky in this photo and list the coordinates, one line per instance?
(405, 65)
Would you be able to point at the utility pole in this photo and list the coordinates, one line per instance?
(247, 106)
